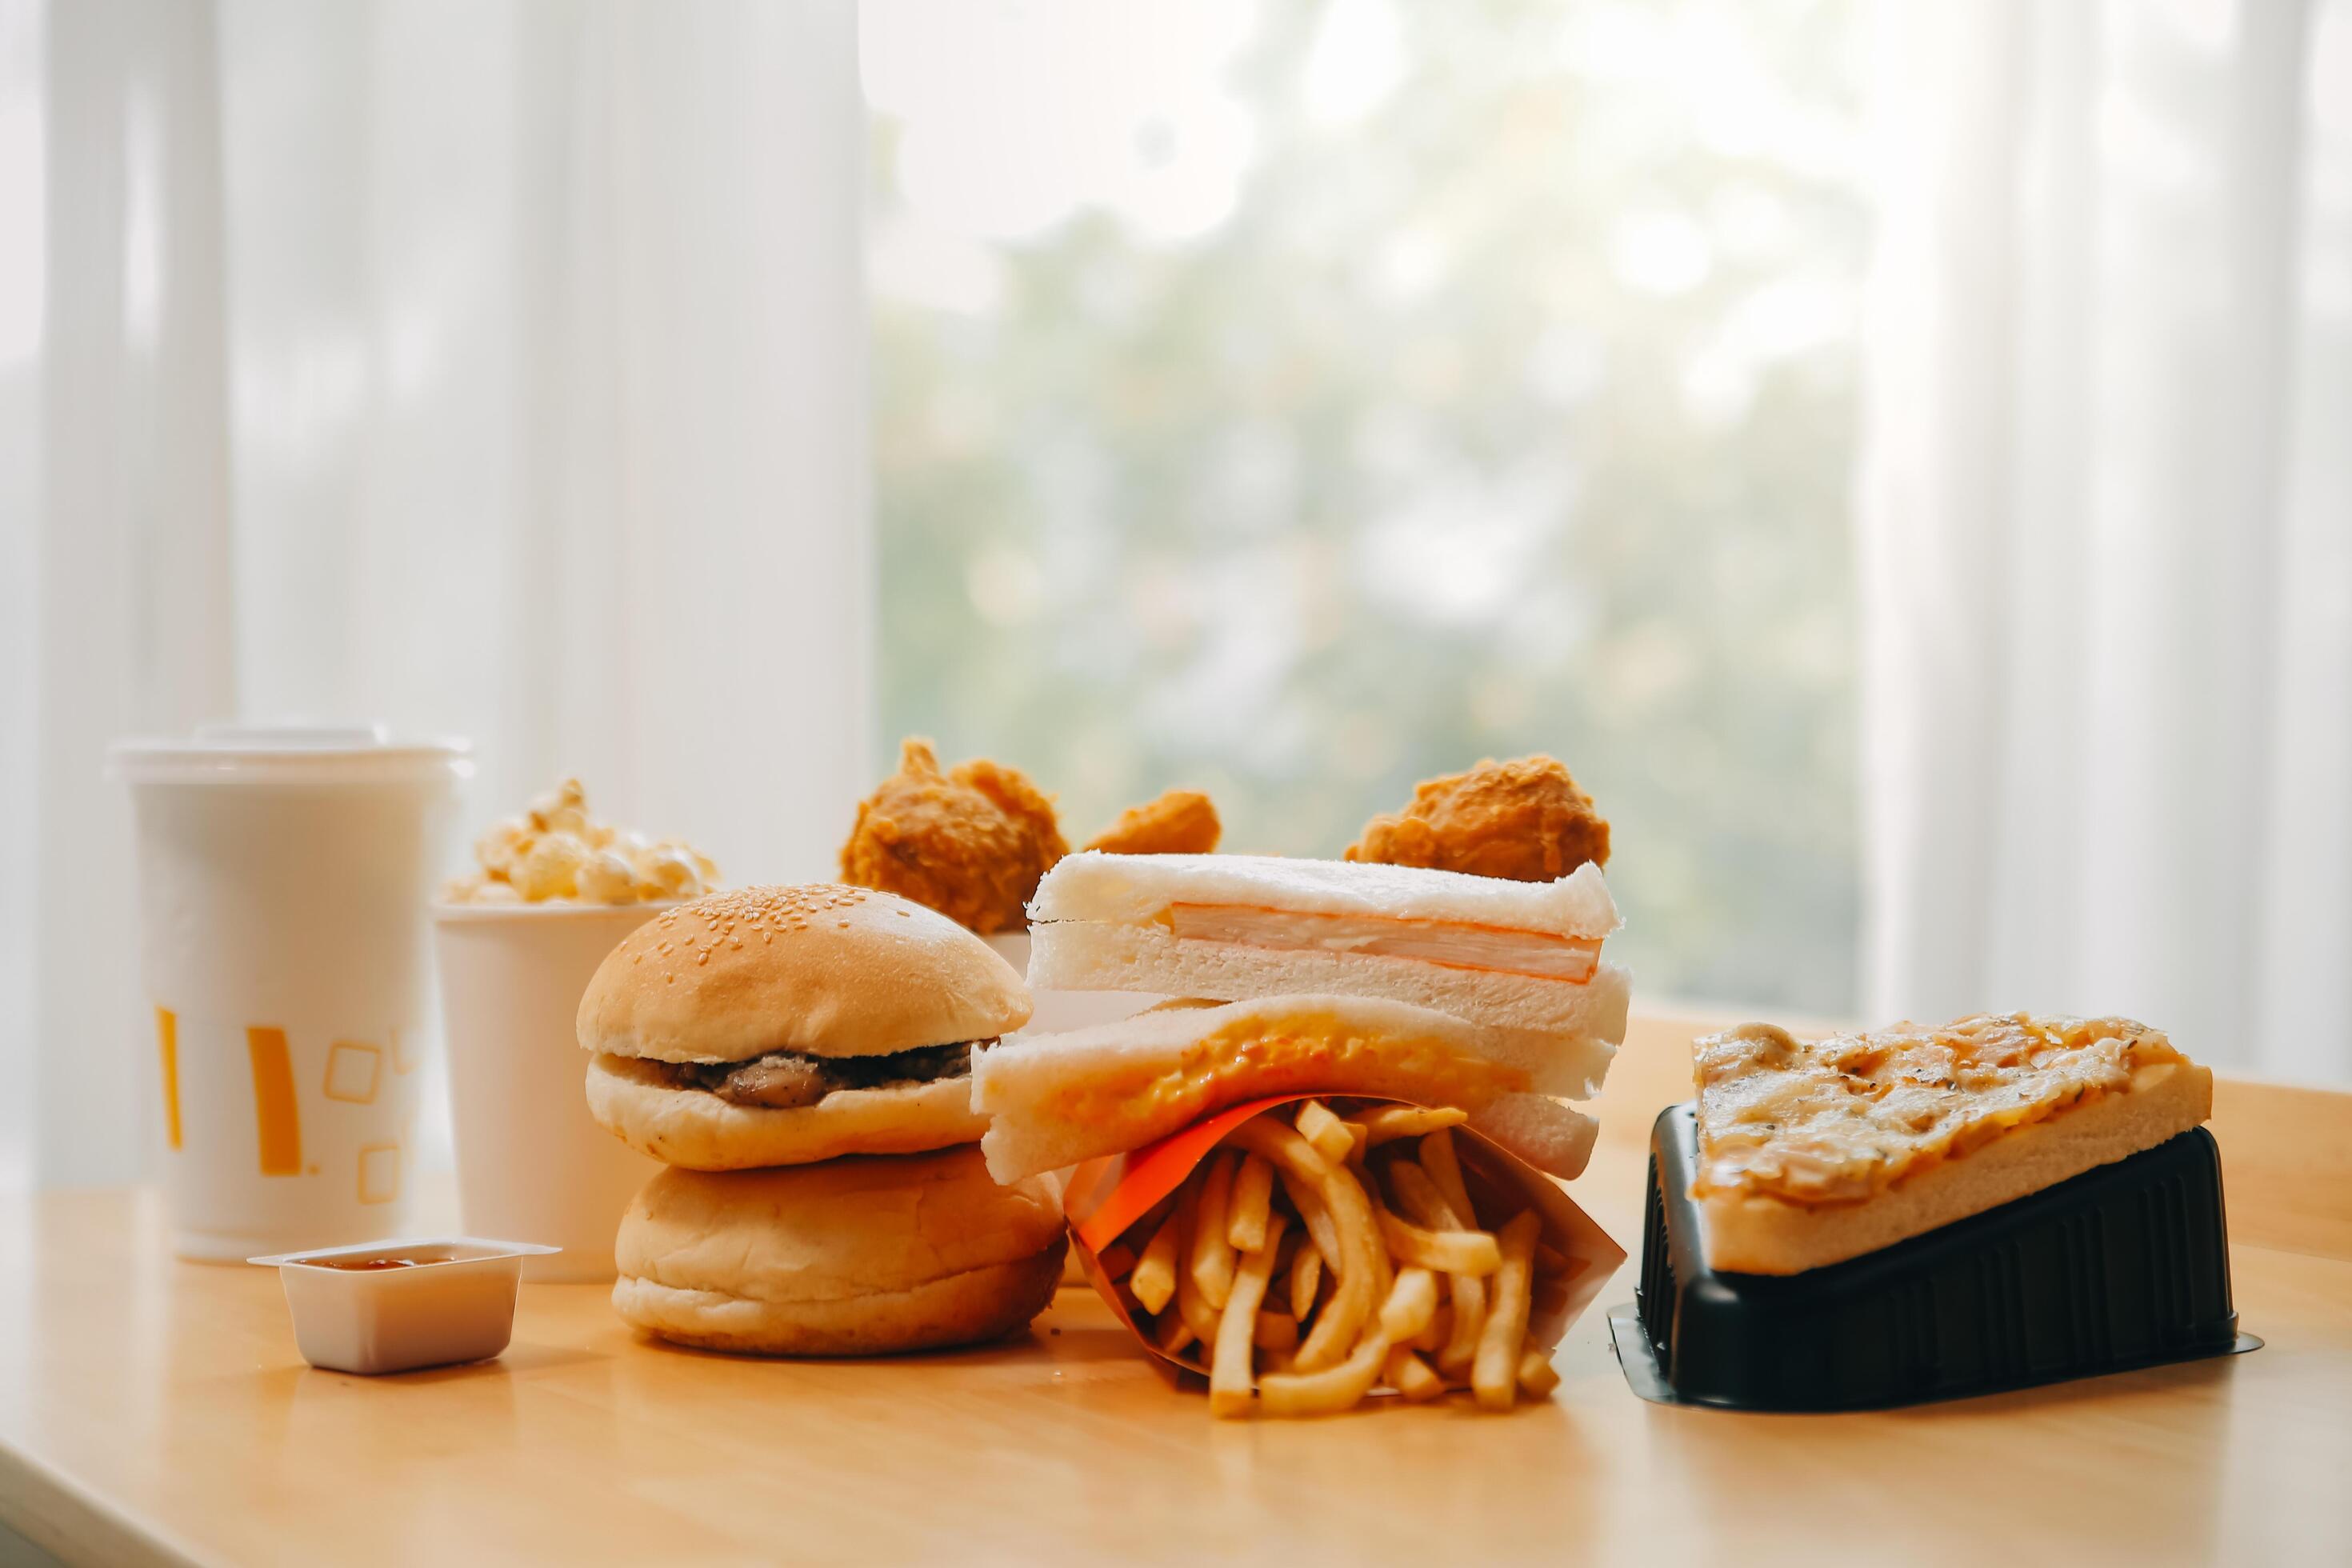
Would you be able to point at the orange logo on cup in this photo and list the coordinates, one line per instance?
(167, 1040)
(276, 1114)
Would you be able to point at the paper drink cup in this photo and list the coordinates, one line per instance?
(532, 1162)
(1107, 1197)
(283, 877)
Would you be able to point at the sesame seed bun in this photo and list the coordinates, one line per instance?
(820, 969)
(857, 1256)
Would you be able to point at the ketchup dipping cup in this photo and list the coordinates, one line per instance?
(283, 877)
(394, 1306)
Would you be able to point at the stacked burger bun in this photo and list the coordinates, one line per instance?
(800, 1058)
(1294, 976)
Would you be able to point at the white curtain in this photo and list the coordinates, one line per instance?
(488, 369)
(2107, 519)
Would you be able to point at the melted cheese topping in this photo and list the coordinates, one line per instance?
(1287, 1056)
(1455, 945)
(1842, 1119)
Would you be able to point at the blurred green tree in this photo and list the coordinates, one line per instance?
(1506, 406)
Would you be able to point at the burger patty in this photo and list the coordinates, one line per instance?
(787, 1080)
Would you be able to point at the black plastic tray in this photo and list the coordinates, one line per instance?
(2125, 1266)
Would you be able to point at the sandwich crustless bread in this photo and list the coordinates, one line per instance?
(1055, 1100)
(781, 1026)
(1812, 1154)
(1522, 956)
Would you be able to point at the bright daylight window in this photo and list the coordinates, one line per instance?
(1297, 400)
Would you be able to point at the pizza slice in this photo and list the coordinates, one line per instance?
(1812, 1153)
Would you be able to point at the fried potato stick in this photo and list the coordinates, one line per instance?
(1153, 1279)
(1444, 1168)
(1322, 1128)
(1246, 1209)
(1313, 1213)
(1418, 1197)
(1329, 1390)
(1305, 1280)
(1229, 1364)
(1411, 1302)
(1211, 1266)
(1461, 1346)
(1386, 1123)
(1410, 1375)
(1494, 1375)
(1446, 1251)
(1191, 1305)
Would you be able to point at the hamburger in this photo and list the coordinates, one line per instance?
(785, 1025)
(801, 1057)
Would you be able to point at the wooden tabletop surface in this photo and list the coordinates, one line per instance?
(156, 1411)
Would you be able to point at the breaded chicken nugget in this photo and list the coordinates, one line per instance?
(1525, 821)
(970, 843)
(1180, 822)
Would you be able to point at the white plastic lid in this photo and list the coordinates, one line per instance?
(288, 754)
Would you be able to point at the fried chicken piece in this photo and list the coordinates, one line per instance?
(1180, 822)
(1525, 821)
(970, 843)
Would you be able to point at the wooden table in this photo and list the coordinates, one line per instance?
(156, 1411)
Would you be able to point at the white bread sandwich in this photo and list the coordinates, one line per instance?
(1055, 1100)
(1812, 1154)
(857, 1256)
(781, 1025)
(1520, 956)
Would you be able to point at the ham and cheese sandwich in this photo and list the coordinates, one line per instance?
(1055, 1100)
(1809, 1154)
(1517, 956)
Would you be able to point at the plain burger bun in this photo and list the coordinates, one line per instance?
(693, 1128)
(854, 1256)
(826, 970)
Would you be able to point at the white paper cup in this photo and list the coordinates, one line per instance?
(532, 1162)
(283, 881)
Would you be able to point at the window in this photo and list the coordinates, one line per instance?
(1297, 400)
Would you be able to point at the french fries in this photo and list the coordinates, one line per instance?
(1245, 1215)
(1446, 1251)
(1386, 1123)
(1229, 1367)
(1495, 1375)
(1322, 1253)
(1306, 1280)
(1154, 1277)
(1213, 1254)
(1330, 1136)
